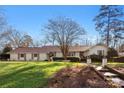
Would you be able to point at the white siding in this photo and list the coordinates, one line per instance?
(42, 56)
(59, 54)
(35, 58)
(77, 54)
(86, 53)
(96, 48)
(13, 56)
(28, 56)
(21, 58)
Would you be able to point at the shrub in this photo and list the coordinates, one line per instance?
(72, 59)
(6, 49)
(4, 57)
(84, 59)
(118, 59)
(112, 53)
(46, 60)
(58, 58)
(96, 58)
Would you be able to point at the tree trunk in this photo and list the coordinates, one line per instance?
(64, 50)
(107, 38)
(65, 57)
(108, 29)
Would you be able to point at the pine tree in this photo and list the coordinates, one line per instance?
(7, 49)
(109, 23)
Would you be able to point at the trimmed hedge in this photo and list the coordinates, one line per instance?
(84, 59)
(4, 57)
(96, 58)
(72, 59)
(118, 59)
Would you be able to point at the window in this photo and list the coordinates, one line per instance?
(35, 55)
(100, 52)
(71, 53)
(21, 55)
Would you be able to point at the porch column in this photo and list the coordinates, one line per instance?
(88, 60)
(18, 56)
(104, 62)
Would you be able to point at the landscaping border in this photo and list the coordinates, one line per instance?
(121, 75)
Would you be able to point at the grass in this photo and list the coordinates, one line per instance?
(116, 64)
(28, 74)
(111, 64)
(33, 74)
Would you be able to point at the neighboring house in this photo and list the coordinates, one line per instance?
(41, 53)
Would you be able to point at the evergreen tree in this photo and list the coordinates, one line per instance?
(7, 49)
(109, 23)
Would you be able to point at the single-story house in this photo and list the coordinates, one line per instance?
(41, 53)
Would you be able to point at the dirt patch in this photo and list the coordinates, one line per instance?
(78, 77)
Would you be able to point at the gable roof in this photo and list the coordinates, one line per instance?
(99, 45)
(47, 49)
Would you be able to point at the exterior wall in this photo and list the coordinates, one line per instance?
(95, 49)
(13, 56)
(35, 58)
(42, 56)
(86, 53)
(59, 54)
(21, 58)
(77, 54)
(28, 56)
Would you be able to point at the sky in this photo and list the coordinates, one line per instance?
(32, 18)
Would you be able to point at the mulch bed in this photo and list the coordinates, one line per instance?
(120, 69)
(78, 77)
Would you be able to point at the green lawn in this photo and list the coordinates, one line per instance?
(33, 74)
(111, 64)
(116, 64)
(28, 74)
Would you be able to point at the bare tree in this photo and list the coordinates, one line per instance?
(40, 43)
(3, 29)
(3, 25)
(18, 39)
(44, 42)
(9, 35)
(64, 31)
(27, 40)
(37, 44)
(51, 38)
(2, 20)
